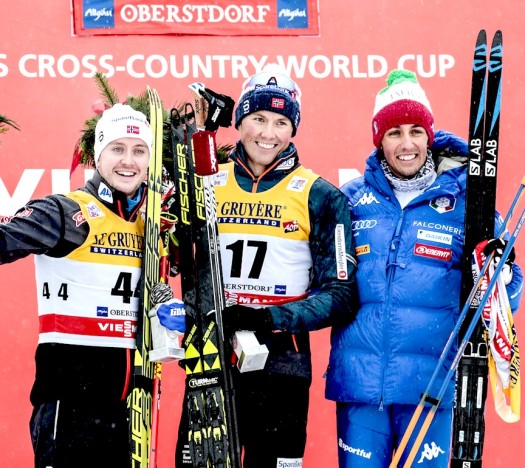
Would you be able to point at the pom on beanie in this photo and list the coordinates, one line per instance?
(121, 121)
(272, 90)
(402, 102)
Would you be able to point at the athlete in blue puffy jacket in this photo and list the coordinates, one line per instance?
(408, 225)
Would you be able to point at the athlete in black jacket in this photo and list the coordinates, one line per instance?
(88, 246)
(288, 264)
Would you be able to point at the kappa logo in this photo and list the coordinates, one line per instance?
(430, 451)
(367, 199)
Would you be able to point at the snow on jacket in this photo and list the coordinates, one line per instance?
(332, 299)
(49, 226)
(409, 282)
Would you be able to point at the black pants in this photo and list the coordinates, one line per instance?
(76, 435)
(272, 412)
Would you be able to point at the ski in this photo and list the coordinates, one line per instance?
(145, 384)
(212, 438)
(472, 374)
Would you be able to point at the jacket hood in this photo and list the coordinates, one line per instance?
(448, 150)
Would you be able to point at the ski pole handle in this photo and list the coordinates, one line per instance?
(205, 153)
(503, 227)
(212, 110)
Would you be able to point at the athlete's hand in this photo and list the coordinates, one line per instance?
(497, 246)
(170, 311)
(237, 317)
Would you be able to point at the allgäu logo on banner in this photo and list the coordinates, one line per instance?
(292, 14)
(98, 14)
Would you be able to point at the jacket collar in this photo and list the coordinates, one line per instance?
(115, 200)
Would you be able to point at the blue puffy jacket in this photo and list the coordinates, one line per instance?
(409, 282)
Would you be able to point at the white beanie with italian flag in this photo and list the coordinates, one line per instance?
(402, 102)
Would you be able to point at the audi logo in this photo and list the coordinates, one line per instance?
(364, 224)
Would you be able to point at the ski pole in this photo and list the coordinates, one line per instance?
(426, 395)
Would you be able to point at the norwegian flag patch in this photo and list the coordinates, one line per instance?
(277, 103)
(133, 129)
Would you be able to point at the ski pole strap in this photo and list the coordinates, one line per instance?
(431, 400)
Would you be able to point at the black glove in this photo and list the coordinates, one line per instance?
(237, 317)
(498, 246)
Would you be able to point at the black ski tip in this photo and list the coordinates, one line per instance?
(482, 37)
(497, 39)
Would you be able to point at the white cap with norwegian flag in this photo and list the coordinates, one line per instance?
(121, 121)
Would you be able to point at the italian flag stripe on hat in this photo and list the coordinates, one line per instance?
(403, 101)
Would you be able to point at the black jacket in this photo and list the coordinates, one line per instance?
(47, 226)
(332, 301)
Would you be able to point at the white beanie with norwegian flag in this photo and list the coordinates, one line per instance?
(121, 121)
